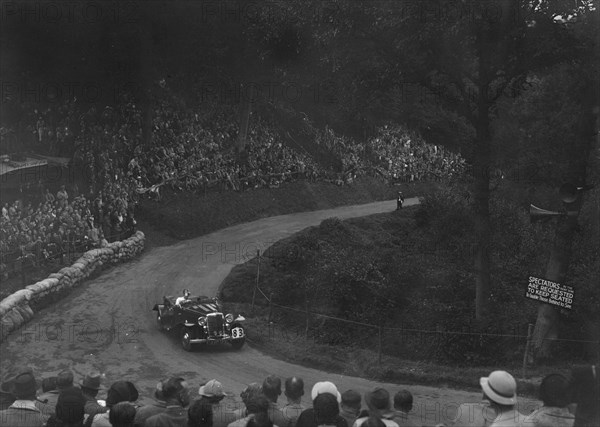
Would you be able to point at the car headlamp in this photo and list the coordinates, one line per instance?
(229, 318)
(201, 321)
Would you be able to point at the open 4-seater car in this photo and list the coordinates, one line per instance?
(200, 320)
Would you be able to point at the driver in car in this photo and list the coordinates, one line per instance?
(185, 298)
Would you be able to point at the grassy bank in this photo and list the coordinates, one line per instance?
(398, 263)
(186, 215)
(292, 345)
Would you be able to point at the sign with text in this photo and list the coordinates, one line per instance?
(550, 292)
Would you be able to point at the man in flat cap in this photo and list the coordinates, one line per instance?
(64, 380)
(23, 412)
(90, 386)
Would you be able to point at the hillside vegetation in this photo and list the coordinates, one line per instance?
(410, 269)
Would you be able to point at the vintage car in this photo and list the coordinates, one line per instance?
(200, 320)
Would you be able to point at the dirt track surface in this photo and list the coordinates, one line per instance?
(108, 324)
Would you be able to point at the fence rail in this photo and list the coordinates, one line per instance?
(400, 333)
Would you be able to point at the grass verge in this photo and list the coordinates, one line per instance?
(281, 343)
(186, 215)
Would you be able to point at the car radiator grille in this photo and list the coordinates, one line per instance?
(215, 324)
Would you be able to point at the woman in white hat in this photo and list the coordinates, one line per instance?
(497, 408)
(500, 389)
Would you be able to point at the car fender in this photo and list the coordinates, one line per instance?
(240, 318)
(237, 325)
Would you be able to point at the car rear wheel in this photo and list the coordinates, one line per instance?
(186, 338)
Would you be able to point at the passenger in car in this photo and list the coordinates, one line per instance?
(185, 298)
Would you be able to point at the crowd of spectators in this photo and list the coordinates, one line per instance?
(351, 153)
(49, 130)
(65, 403)
(187, 150)
(406, 157)
(190, 149)
(46, 226)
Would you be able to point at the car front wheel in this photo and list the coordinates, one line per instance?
(186, 338)
(237, 344)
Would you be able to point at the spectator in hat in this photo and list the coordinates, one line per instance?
(500, 389)
(585, 392)
(69, 409)
(8, 397)
(403, 404)
(307, 417)
(378, 402)
(325, 387)
(177, 398)
(146, 411)
(294, 390)
(90, 386)
(23, 412)
(200, 414)
(64, 380)
(554, 393)
(212, 392)
(122, 415)
(350, 406)
(253, 389)
(498, 406)
(120, 391)
(257, 406)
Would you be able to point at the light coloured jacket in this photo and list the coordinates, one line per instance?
(484, 415)
(548, 416)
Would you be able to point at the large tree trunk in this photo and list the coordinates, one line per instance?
(481, 184)
(493, 46)
(481, 195)
(546, 326)
(548, 317)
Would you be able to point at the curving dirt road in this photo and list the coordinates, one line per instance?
(107, 323)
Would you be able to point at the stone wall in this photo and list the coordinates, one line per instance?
(18, 308)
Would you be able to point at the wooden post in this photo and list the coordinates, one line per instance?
(270, 323)
(257, 278)
(270, 306)
(307, 318)
(379, 349)
(527, 345)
